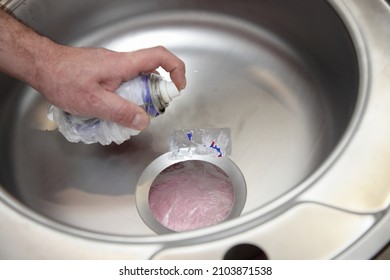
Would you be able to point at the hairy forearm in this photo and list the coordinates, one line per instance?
(22, 50)
(81, 81)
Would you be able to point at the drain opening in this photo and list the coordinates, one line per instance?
(245, 252)
(191, 195)
(214, 186)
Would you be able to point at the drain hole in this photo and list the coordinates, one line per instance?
(245, 252)
(191, 195)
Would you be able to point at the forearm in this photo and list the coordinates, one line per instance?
(81, 81)
(22, 50)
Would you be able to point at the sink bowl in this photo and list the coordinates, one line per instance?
(294, 81)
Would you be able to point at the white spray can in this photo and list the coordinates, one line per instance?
(150, 91)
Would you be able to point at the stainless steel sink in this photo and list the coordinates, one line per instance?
(302, 86)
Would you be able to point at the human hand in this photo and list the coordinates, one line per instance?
(82, 81)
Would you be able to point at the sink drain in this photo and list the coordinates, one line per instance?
(191, 195)
(183, 195)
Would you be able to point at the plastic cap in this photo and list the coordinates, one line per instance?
(168, 91)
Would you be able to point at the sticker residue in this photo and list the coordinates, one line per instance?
(201, 141)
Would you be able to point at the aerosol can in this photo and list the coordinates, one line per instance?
(150, 91)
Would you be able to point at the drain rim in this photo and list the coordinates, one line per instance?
(162, 162)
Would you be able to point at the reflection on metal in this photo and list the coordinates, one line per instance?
(10, 5)
(303, 86)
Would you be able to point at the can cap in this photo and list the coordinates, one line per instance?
(168, 90)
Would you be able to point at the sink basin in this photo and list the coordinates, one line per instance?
(295, 83)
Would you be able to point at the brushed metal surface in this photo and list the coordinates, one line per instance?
(296, 82)
(281, 96)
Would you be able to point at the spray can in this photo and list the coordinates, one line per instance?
(150, 91)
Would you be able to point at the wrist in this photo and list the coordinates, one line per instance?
(23, 53)
(42, 58)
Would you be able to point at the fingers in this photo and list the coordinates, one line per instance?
(112, 107)
(93, 88)
(117, 109)
(147, 60)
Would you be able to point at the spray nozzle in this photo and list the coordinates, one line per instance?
(168, 90)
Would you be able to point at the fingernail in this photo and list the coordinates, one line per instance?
(184, 83)
(140, 121)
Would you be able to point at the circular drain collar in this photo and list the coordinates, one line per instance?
(181, 195)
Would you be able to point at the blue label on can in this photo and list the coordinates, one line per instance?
(147, 99)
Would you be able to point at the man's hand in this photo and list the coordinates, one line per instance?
(81, 81)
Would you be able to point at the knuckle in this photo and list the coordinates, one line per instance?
(88, 104)
(93, 101)
(181, 66)
(161, 49)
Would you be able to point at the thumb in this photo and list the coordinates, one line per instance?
(117, 109)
